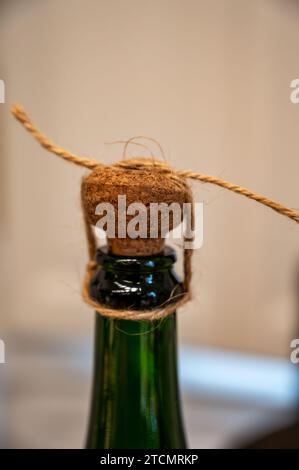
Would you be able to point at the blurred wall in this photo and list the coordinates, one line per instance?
(208, 79)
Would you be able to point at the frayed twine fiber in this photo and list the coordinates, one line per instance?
(150, 165)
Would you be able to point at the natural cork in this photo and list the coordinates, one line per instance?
(138, 184)
(144, 186)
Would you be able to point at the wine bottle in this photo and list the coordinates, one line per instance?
(135, 397)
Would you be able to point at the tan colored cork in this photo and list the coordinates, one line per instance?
(144, 186)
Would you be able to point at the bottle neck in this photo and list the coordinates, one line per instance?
(138, 283)
(135, 398)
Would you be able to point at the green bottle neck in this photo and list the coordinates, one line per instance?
(135, 397)
(138, 283)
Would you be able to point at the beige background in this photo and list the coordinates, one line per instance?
(208, 79)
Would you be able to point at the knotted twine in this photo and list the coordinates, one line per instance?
(152, 165)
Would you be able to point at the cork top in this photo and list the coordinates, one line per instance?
(119, 187)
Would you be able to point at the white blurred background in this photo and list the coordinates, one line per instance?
(211, 81)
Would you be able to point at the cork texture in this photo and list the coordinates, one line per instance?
(146, 186)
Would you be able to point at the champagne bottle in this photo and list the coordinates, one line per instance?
(135, 397)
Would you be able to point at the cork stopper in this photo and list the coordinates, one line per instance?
(119, 186)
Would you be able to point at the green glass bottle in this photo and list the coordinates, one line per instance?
(135, 397)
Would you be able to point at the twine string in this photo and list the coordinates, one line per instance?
(132, 140)
(21, 116)
(180, 176)
(123, 142)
